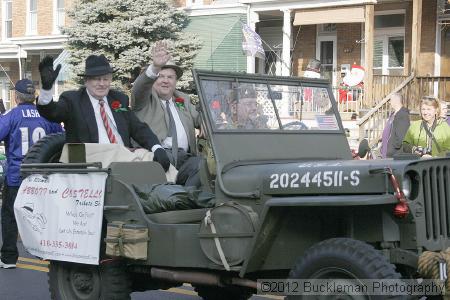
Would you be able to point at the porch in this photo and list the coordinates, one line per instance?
(402, 46)
(353, 100)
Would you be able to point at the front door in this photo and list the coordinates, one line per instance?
(326, 53)
(5, 91)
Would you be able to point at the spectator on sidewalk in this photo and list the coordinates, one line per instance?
(395, 128)
(20, 128)
(430, 136)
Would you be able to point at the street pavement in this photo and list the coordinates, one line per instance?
(29, 281)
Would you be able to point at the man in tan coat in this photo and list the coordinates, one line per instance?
(168, 112)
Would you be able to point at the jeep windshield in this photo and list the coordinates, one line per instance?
(249, 117)
(244, 105)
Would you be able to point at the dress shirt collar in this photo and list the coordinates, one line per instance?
(95, 100)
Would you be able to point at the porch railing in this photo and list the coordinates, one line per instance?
(382, 85)
(438, 86)
(348, 99)
(353, 99)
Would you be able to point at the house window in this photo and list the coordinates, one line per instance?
(28, 69)
(392, 20)
(4, 92)
(7, 19)
(326, 28)
(388, 54)
(32, 17)
(396, 50)
(389, 43)
(59, 14)
(378, 54)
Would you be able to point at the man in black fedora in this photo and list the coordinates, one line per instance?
(95, 113)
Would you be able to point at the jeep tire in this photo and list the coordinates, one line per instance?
(46, 150)
(70, 281)
(343, 258)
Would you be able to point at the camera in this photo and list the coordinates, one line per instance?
(422, 150)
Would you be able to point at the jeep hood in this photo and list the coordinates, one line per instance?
(307, 177)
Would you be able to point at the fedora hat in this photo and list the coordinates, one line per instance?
(97, 65)
(171, 65)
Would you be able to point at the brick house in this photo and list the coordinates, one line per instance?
(29, 31)
(402, 44)
(340, 40)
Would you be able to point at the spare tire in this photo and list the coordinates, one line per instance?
(47, 150)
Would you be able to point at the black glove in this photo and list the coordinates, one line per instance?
(48, 75)
(160, 156)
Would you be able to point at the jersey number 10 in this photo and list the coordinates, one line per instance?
(37, 134)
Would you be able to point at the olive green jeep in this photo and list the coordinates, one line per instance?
(289, 201)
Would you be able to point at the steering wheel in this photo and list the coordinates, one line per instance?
(295, 125)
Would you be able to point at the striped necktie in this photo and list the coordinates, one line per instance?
(112, 138)
(173, 133)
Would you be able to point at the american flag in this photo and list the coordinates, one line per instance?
(251, 42)
(327, 122)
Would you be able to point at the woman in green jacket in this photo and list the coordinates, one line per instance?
(430, 136)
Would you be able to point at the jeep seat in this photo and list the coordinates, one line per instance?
(138, 172)
(179, 216)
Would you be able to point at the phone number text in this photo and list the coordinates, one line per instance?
(58, 244)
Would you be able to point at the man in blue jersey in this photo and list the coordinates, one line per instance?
(20, 128)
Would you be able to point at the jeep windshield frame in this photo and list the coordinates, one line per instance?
(261, 144)
(268, 105)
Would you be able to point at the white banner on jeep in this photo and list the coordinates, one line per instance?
(59, 216)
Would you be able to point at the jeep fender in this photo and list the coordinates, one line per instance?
(290, 225)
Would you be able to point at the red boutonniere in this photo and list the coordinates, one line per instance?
(179, 102)
(117, 106)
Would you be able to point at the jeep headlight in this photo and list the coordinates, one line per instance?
(406, 186)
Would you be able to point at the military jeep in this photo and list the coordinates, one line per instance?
(290, 202)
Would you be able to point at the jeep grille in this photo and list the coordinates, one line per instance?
(435, 191)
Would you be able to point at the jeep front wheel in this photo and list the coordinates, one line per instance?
(344, 259)
(70, 281)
